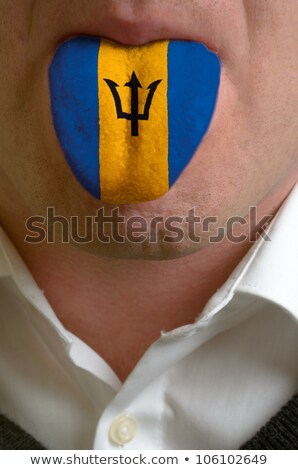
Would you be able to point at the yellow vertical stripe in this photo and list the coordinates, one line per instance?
(133, 168)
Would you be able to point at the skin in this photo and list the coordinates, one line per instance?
(105, 293)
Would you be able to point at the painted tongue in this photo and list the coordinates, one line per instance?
(129, 119)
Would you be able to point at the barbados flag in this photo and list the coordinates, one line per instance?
(129, 118)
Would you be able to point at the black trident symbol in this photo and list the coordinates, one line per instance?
(134, 115)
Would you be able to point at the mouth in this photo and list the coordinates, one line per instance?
(131, 107)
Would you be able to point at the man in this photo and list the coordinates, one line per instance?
(206, 357)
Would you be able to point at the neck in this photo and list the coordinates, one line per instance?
(119, 307)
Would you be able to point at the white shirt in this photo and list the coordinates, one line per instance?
(208, 385)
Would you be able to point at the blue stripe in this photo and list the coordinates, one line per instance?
(193, 81)
(74, 94)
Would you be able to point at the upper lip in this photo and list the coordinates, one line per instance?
(140, 24)
(220, 25)
(141, 28)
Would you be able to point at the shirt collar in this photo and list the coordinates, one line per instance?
(270, 268)
(13, 267)
(274, 273)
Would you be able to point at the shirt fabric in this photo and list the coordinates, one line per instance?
(208, 385)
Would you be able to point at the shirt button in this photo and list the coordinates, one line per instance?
(122, 430)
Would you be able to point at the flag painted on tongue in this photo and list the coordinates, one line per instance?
(129, 118)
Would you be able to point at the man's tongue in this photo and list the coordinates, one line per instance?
(129, 119)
